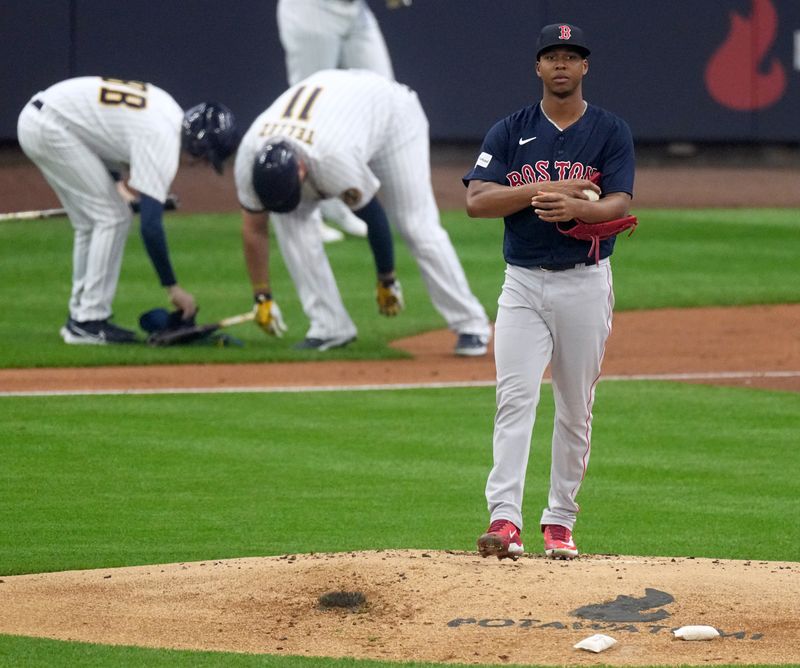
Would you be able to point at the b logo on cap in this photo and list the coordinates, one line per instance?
(565, 33)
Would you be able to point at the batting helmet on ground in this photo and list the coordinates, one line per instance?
(276, 177)
(209, 131)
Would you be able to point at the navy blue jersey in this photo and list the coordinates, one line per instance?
(527, 147)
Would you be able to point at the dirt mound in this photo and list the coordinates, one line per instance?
(425, 606)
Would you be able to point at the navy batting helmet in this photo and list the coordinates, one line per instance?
(276, 177)
(209, 131)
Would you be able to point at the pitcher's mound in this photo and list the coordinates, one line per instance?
(425, 606)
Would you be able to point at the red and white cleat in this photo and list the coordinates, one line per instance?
(558, 543)
(501, 540)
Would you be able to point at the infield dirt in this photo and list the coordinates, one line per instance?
(756, 346)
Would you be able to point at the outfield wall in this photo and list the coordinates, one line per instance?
(722, 71)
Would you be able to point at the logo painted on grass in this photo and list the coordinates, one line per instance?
(625, 614)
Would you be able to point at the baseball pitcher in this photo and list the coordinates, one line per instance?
(536, 170)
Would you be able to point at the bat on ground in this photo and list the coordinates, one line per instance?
(171, 337)
(30, 215)
(171, 204)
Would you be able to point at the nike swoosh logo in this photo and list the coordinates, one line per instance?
(522, 141)
(511, 535)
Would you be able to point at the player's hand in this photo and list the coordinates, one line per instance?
(569, 187)
(182, 300)
(125, 193)
(556, 207)
(268, 316)
(389, 297)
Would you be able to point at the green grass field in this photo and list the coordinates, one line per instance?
(713, 257)
(135, 480)
(107, 481)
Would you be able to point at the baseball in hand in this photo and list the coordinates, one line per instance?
(591, 194)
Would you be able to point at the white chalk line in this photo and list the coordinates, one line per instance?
(711, 376)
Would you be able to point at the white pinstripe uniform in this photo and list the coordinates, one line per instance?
(78, 130)
(358, 132)
(331, 34)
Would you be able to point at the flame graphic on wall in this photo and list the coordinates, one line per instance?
(736, 76)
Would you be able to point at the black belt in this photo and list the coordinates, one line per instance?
(37, 103)
(564, 267)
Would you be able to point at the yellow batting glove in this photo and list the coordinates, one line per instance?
(268, 316)
(390, 298)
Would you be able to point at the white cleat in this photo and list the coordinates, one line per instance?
(351, 224)
(329, 234)
(335, 211)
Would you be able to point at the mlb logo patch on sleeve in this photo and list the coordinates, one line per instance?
(483, 160)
